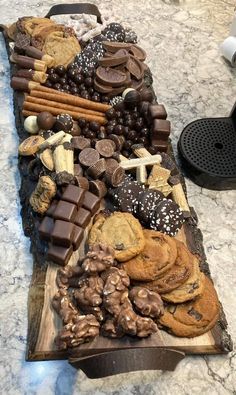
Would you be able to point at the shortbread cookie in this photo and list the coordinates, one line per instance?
(193, 318)
(122, 232)
(190, 289)
(158, 256)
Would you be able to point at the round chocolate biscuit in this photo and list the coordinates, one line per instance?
(167, 218)
(105, 148)
(148, 203)
(195, 317)
(126, 196)
(88, 157)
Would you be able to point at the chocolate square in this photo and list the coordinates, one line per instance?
(157, 111)
(65, 211)
(58, 254)
(160, 129)
(45, 228)
(62, 233)
(91, 202)
(73, 194)
(160, 145)
(77, 237)
(82, 218)
(51, 208)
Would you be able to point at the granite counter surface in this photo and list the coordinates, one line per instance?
(193, 81)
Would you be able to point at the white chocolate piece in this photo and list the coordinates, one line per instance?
(46, 158)
(141, 174)
(53, 140)
(30, 124)
(148, 161)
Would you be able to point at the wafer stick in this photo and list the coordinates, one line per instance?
(52, 94)
(63, 106)
(27, 113)
(57, 111)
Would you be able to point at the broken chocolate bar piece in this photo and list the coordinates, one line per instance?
(65, 211)
(82, 218)
(73, 194)
(77, 238)
(160, 129)
(58, 254)
(62, 233)
(157, 111)
(91, 202)
(46, 228)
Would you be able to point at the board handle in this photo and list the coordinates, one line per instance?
(77, 8)
(127, 360)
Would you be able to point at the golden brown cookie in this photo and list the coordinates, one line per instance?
(61, 47)
(193, 318)
(121, 231)
(158, 256)
(30, 24)
(176, 275)
(190, 289)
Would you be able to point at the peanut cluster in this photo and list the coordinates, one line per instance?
(94, 297)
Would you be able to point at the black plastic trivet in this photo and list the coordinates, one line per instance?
(207, 149)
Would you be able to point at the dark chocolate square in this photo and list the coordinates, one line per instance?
(157, 111)
(91, 202)
(62, 233)
(65, 211)
(58, 254)
(160, 129)
(83, 217)
(73, 194)
(77, 237)
(46, 227)
(51, 208)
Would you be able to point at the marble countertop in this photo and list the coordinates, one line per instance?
(181, 38)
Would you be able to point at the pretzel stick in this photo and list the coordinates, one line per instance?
(48, 93)
(27, 113)
(63, 106)
(57, 111)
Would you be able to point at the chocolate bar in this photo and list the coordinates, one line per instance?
(65, 211)
(91, 202)
(62, 233)
(46, 228)
(157, 111)
(78, 235)
(73, 194)
(58, 254)
(83, 217)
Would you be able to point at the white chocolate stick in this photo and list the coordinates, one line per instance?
(179, 197)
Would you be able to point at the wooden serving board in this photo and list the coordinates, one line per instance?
(44, 323)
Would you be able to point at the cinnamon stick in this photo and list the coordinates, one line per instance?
(57, 111)
(63, 106)
(52, 94)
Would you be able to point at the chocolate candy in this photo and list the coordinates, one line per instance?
(73, 194)
(147, 95)
(78, 171)
(91, 202)
(88, 157)
(75, 131)
(135, 67)
(82, 182)
(118, 140)
(62, 233)
(110, 77)
(63, 122)
(97, 170)
(80, 143)
(82, 218)
(115, 177)
(46, 228)
(131, 98)
(126, 196)
(51, 209)
(65, 211)
(111, 113)
(98, 188)
(45, 120)
(105, 148)
(157, 111)
(58, 254)
(167, 218)
(148, 202)
(22, 41)
(77, 237)
(160, 129)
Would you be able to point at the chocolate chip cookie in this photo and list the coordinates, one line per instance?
(176, 275)
(121, 231)
(190, 289)
(195, 317)
(158, 255)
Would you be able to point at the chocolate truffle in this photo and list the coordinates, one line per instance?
(45, 120)
(63, 122)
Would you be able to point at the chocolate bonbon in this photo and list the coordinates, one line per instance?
(59, 254)
(62, 233)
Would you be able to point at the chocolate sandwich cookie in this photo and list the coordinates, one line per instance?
(167, 218)
(126, 196)
(193, 318)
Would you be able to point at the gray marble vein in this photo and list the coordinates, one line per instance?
(181, 38)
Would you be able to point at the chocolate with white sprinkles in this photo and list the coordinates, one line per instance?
(167, 218)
